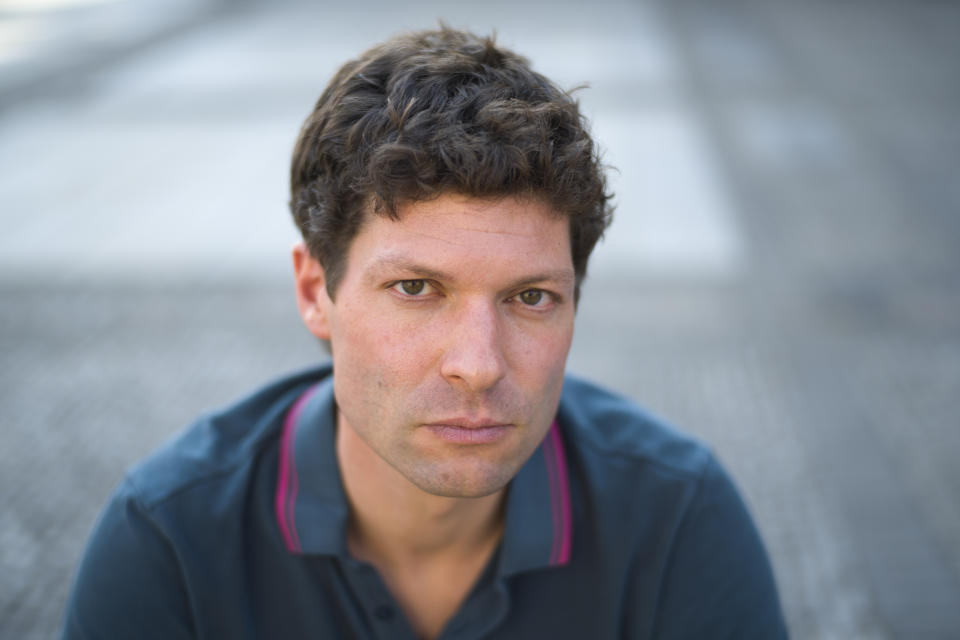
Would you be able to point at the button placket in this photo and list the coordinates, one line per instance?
(383, 612)
(385, 618)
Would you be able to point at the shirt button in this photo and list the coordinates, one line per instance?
(383, 612)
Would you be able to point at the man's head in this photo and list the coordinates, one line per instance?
(449, 198)
(437, 112)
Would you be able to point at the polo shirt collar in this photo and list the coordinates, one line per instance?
(310, 503)
(311, 506)
(538, 531)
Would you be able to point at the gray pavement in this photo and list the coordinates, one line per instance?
(781, 279)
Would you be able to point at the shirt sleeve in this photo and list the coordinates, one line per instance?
(718, 582)
(129, 583)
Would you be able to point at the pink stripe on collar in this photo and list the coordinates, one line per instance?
(559, 497)
(287, 481)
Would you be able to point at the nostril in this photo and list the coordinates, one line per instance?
(476, 365)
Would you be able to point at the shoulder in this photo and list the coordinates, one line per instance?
(660, 503)
(177, 519)
(629, 464)
(221, 442)
(603, 423)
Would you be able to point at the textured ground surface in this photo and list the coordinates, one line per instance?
(782, 279)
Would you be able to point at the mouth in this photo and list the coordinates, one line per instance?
(465, 431)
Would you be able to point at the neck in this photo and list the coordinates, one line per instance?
(394, 523)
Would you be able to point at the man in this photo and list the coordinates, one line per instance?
(442, 479)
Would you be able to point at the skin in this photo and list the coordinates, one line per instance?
(450, 334)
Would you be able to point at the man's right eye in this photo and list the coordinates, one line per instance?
(410, 287)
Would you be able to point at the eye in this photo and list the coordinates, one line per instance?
(534, 298)
(413, 288)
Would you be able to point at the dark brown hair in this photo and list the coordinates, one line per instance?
(441, 111)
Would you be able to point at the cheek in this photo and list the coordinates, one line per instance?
(541, 351)
(379, 342)
(537, 371)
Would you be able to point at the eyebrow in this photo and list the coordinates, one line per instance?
(561, 276)
(397, 262)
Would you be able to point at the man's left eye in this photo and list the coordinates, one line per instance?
(534, 297)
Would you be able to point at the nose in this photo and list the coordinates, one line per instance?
(473, 358)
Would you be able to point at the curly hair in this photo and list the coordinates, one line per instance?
(440, 111)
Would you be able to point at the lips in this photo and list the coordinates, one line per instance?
(467, 423)
(466, 431)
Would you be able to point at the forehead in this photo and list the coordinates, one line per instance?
(506, 234)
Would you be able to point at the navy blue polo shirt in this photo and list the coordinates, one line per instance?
(616, 527)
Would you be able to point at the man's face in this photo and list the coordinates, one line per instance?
(450, 333)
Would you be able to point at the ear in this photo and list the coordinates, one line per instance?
(312, 299)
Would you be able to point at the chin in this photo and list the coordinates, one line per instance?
(456, 484)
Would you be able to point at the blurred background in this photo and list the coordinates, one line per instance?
(781, 278)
